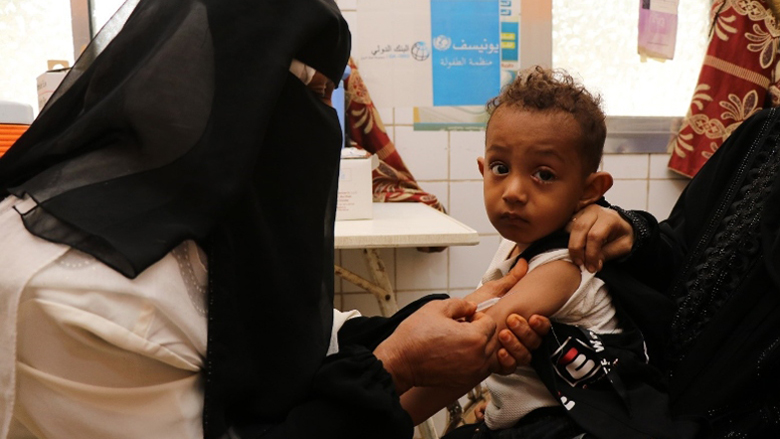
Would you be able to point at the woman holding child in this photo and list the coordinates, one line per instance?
(700, 294)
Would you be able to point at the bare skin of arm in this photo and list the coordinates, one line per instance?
(597, 234)
(541, 292)
(445, 343)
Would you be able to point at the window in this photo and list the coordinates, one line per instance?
(32, 32)
(101, 11)
(645, 100)
(597, 41)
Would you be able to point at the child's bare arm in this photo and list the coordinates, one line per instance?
(542, 291)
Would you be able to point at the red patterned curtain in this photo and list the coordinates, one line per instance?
(392, 179)
(738, 77)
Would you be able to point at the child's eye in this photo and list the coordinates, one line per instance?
(544, 175)
(499, 168)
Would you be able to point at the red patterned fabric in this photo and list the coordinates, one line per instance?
(738, 78)
(392, 179)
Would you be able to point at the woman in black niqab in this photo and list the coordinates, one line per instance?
(181, 121)
(718, 257)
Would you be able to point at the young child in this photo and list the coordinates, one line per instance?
(543, 146)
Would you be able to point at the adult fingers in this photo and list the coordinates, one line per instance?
(485, 325)
(515, 274)
(597, 236)
(499, 287)
(618, 247)
(512, 352)
(457, 309)
(609, 238)
(578, 228)
(528, 332)
(539, 324)
(506, 363)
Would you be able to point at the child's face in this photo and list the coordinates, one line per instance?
(532, 172)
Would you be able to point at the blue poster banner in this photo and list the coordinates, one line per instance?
(466, 52)
(510, 41)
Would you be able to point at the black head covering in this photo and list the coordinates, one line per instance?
(186, 124)
(725, 338)
(717, 256)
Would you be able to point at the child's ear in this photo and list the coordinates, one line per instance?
(481, 164)
(596, 185)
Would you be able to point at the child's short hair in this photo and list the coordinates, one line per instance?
(552, 90)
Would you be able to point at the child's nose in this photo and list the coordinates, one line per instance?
(514, 191)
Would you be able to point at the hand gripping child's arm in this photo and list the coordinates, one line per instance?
(543, 291)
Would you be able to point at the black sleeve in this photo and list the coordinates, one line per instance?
(658, 248)
(370, 331)
(352, 397)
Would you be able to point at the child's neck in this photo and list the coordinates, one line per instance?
(519, 248)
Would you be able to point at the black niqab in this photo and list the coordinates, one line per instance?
(186, 124)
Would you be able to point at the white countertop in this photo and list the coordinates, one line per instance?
(404, 225)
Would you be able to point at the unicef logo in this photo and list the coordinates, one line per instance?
(442, 42)
(420, 51)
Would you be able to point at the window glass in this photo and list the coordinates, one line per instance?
(32, 32)
(102, 10)
(597, 43)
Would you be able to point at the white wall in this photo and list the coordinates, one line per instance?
(641, 182)
(31, 32)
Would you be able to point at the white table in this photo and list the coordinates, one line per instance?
(396, 225)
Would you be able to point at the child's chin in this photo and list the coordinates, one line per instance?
(514, 237)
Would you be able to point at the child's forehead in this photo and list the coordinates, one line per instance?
(547, 114)
(516, 120)
(554, 126)
(542, 134)
(531, 153)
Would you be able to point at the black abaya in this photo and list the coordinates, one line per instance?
(718, 258)
(186, 124)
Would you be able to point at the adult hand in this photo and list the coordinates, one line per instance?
(499, 287)
(441, 344)
(520, 337)
(598, 234)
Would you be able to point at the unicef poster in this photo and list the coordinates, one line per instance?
(442, 53)
(466, 55)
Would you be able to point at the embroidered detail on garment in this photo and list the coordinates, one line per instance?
(729, 248)
(639, 224)
(75, 260)
(195, 289)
